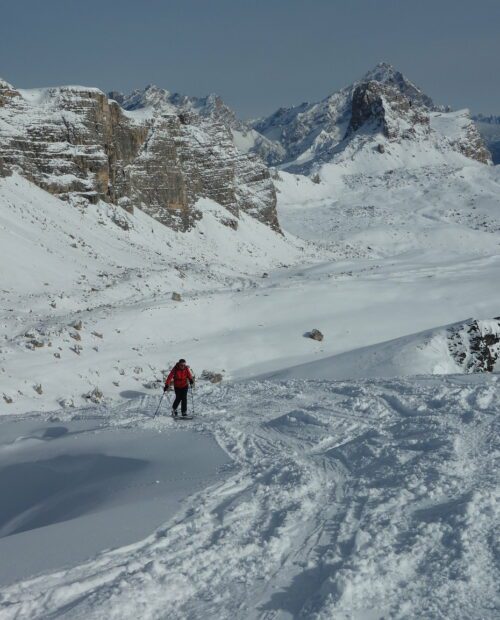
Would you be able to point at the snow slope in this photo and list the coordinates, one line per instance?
(360, 499)
(61, 266)
(442, 351)
(413, 250)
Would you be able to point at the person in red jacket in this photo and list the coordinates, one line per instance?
(181, 377)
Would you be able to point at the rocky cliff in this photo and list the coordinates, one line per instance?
(489, 128)
(385, 108)
(77, 143)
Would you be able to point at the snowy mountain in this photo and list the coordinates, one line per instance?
(383, 104)
(80, 145)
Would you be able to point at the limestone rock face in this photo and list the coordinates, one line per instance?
(69, 140)
(384, 107)
(470, 142)
(76, 143)
(489, 129)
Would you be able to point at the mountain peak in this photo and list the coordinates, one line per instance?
(385, 73)
(381, 72)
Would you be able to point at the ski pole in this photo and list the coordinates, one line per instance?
(192, 400)
(158, 408)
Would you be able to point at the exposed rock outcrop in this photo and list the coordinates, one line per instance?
(475, 346)
(75, 142)
(489, 128)
(385, 108)
(213, 377)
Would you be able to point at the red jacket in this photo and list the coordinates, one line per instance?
(180, 377)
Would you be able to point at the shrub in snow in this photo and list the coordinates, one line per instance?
(77, 325)
(7, 399)
(75, 335)
(38, 388)
(176, 297)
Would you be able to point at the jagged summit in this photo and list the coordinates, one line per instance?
(384, 104)
(155, 98)
(151, 96)
(385, 73)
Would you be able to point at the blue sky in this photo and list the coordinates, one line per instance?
(257, 54)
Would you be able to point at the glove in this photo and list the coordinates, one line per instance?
(166, 388)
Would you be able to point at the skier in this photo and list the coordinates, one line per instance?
(181, 376)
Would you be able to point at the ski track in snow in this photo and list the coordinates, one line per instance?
(361, 499)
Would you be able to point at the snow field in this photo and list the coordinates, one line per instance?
(86, 480)
(386, 282)
(360, 499)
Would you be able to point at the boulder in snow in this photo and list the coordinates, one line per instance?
(314, 334)
(95, 395)
(213, 377)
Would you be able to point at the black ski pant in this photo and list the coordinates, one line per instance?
(181, 396)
